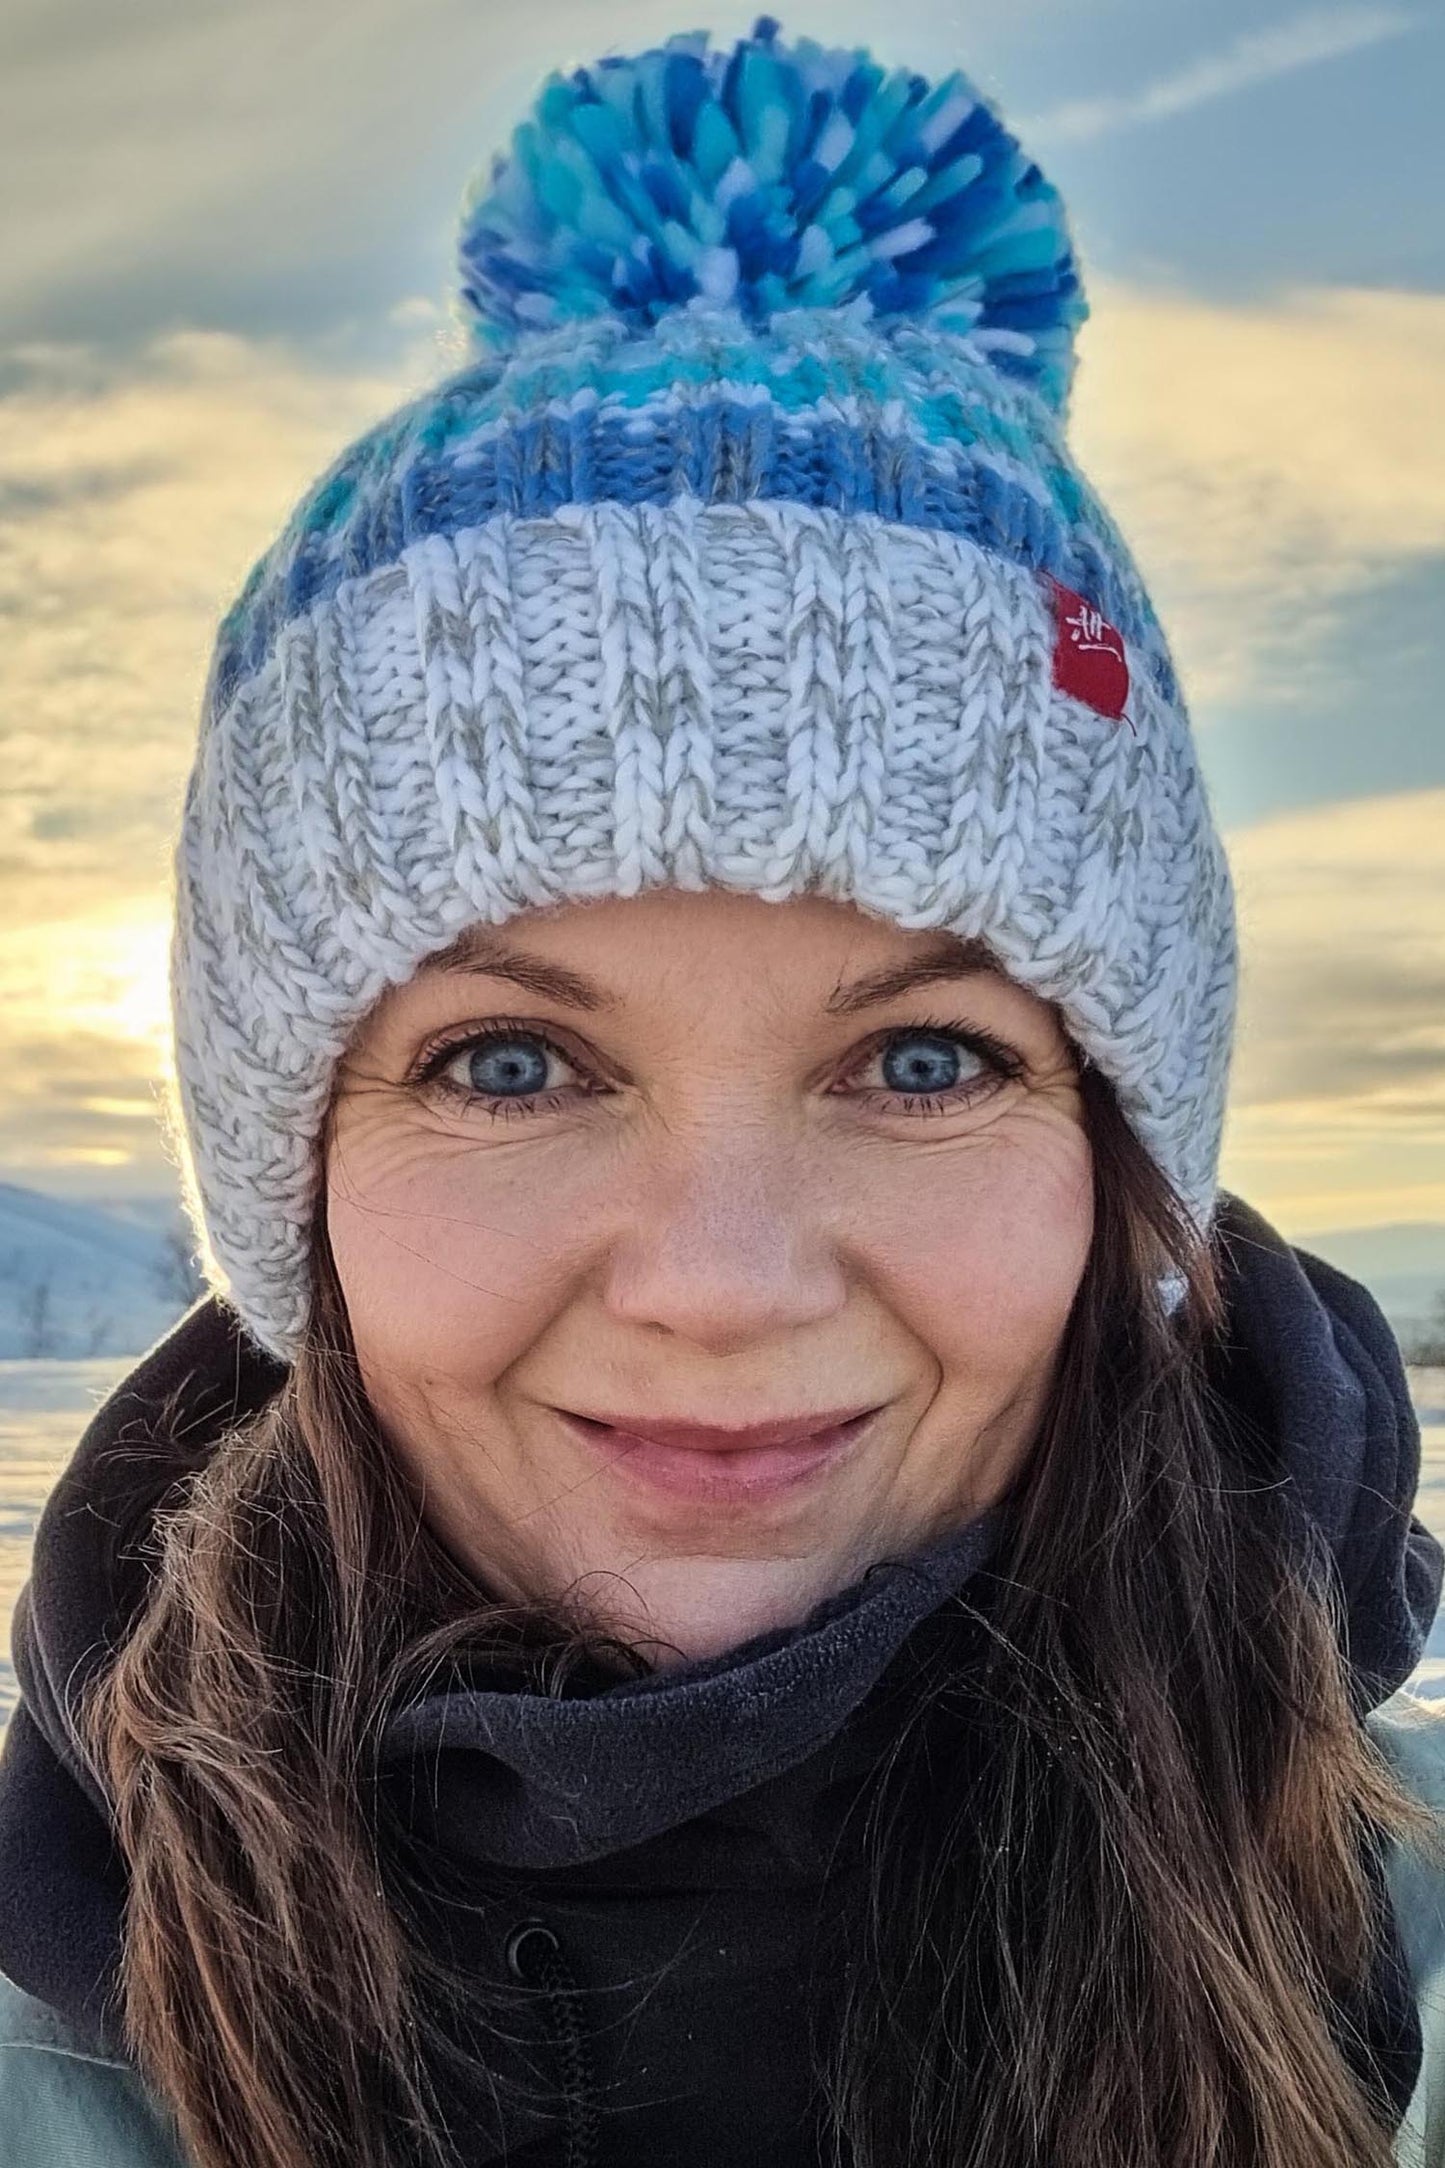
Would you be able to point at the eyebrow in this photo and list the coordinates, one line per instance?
(946, 956)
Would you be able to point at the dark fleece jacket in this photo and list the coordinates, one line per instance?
(676, 1836)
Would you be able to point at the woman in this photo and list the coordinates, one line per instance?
(747, 1561)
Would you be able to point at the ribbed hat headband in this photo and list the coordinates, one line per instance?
(747, 551)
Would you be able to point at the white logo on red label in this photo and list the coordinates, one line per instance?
(1089, 659)
(1088, 628)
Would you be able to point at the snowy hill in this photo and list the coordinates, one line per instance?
(1402, 1264)
(79, 1281)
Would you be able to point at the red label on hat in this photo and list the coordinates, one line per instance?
(1089, 659)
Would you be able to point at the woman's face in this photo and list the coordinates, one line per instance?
(695, 1158)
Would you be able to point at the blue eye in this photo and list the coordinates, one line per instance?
(937, 1067)
(498, 1068)
(924, 1061)
(503, 1069)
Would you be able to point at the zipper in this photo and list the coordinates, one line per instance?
(534, 1956)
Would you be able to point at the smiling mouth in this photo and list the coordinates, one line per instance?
(710, 1438)
(719, 1472)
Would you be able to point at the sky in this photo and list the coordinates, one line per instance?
(228, 230)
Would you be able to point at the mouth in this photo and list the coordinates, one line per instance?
(693, 1462)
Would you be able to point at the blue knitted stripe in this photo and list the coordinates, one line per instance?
(724, 452)
(946, 403)
(949, 395)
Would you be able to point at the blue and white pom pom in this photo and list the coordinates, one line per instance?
(767, 178)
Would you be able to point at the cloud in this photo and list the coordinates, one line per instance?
(1337, 1103)
(1257, 56)
(151, 135)
(84, 1035)
(133, 499)
(1267, 462)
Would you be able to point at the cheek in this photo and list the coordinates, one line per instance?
(981, 1252)
(450, 1262)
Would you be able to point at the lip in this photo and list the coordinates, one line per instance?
(707, 1438)
(715, 1473)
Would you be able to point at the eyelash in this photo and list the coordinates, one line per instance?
(1005, 1063)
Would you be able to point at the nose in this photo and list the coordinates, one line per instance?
(726, 1244)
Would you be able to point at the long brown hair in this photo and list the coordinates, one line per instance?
(1116, 1883)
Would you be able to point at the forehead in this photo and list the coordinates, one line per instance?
(586, 975)
(697, 967)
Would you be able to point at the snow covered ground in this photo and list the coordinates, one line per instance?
(44, 1407)
(1428, 1387)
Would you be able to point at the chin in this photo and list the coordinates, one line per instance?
(689, 1608)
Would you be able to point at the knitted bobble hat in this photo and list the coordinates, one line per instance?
(746, 549)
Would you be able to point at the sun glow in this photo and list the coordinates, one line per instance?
(102, 975)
